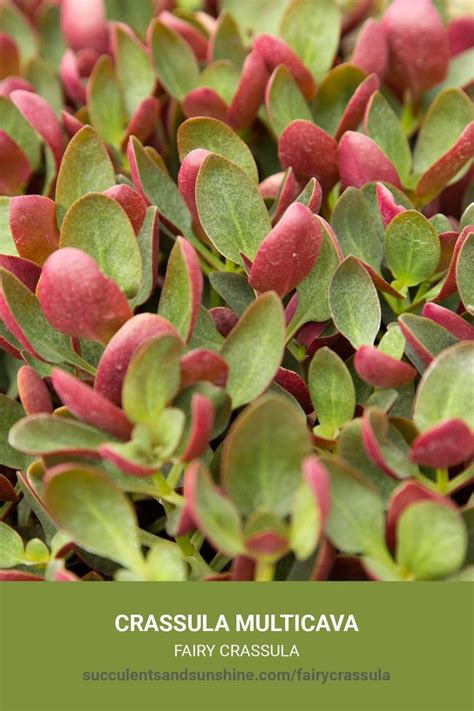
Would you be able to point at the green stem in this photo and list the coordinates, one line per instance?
(205, 253)
(442, 480)
(265, 571)
(459, 480)
(174, 475)
(219, 562)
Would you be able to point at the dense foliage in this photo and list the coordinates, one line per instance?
(236, 290)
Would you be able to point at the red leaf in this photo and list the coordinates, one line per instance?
(90, 406)
(202, 423)
(9, 56)
(371, 49)
(275, 51)
(224, 318)
(11, 84)
(355, 109)
(317, 477)
(418, 44)
(78, 299)
(196, 40)
(71, 78)
(43, 119)
(286, 192)
(362, 161)
(243, 568)
(460, 34)
(296, 386)
(204, 101)
(116, 357)
(444, 445)
(18, 576)
(144, 121)
(250, 92)
(387, 205)
(381, 370)
(14, 166)
(267, 543)
(310, 151)
(449, 285)
(440, 173)
(34, 395)
(84, 25)
(33, 226)
(71, 124)
(202, 364)
(374, 430)
(187, 177)
(131, 201)
(24, 270)
(288, 252)
(452, 322)
(126, 465)
(7, 490)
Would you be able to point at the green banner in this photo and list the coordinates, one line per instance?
(236, 646)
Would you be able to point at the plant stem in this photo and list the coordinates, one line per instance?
(442, 480)
(265, 572)
(174, 475)
(219, 562)
(205, 253)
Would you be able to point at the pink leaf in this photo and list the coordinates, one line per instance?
(14, 166)
(90, 406)
(355, 109)
(18, 576)
(387, 205)
(310, 151)
(71, 78)
(34, 395)
(71, 124)
(381, 370)
(144, 121)
(11, 84)
(26, 271)
(452, 322)
(461, 34)
(286, 192)
(250, 92)
(202, 423)
(78, 299)
(317, 477)
(449, 285)
(196, 40)
(43, 119)
(275, 51)
(202, 364)
(116, 357)
(84, 24)
(296, 386)
(224, 318)
(371, 49)
(267, 543)
(204, 101)
(131, 201)
(288, 253)
(418, 44)
(33, 226)
(444, 445)
(271, 187)
(187, 179)
(362, 161)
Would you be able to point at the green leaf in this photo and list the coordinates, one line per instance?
(44, 434)
(85, 167)
(312, 30)
(221, 76)
(104, 102)
(356, 521)
(17, 127)
(216, 137)
(262, 456)
(227, 42)
(165, 563)
(161, 190)
(465, 273)
(285, 101)
(412, 248)
(152, 380)
(430, 336)
(134, 71)
(444, 122)
(354, 228)
(369, 192)
(46, 82)
(205, 334)
(445, 390)
(313, 291)
(10, 412)
(180, 294)
(231, 209)
(147, 241)
(12, 550)
(99, 226)
(217, 515)
(467, 217)
(14, 23)
(256, 17)
(7, 243)
(431, 540)
(95, 513)
(234, 289)
(384, 127)
(460, 73)
(136, 14)
(254, 348)
(393, 342)
(333, 95)
(305, 522)
(354, 304)
(332, 390)
(175, 62)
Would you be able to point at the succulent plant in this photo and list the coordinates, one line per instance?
(236, 290)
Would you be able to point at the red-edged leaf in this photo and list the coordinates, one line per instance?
(355, 109)
(187, 177)
(405, 495)
(224, 318)
(78, 299)
(10, 84)
(71, 124)
(112, 454)
(387, 205)
(447, 242)
(418, 44)
(379, 282)
(84, 25)
(34, 395)
(33, 226)
(43, 119)
(204, 101)
(90, 406)
(288, 253)
(381, 370)
(286, 192)
(449, 284)
(131, 201)
(196, 40)
(14, 166)
(450, 321)
(250, 92)
(202, 364)
(317, 477)
(384, 453)
(444, 445)
(116, 357)
(296, 386)
(275, 51)
(310, 151)
(371, 49)
(267, 543)
(7, 490)
(362, 161)
(71, 78)
(18, 576)
(440, 173)
(180, 299)
(26, 271)
(144, 121)
(271, 187)
(202, 423)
